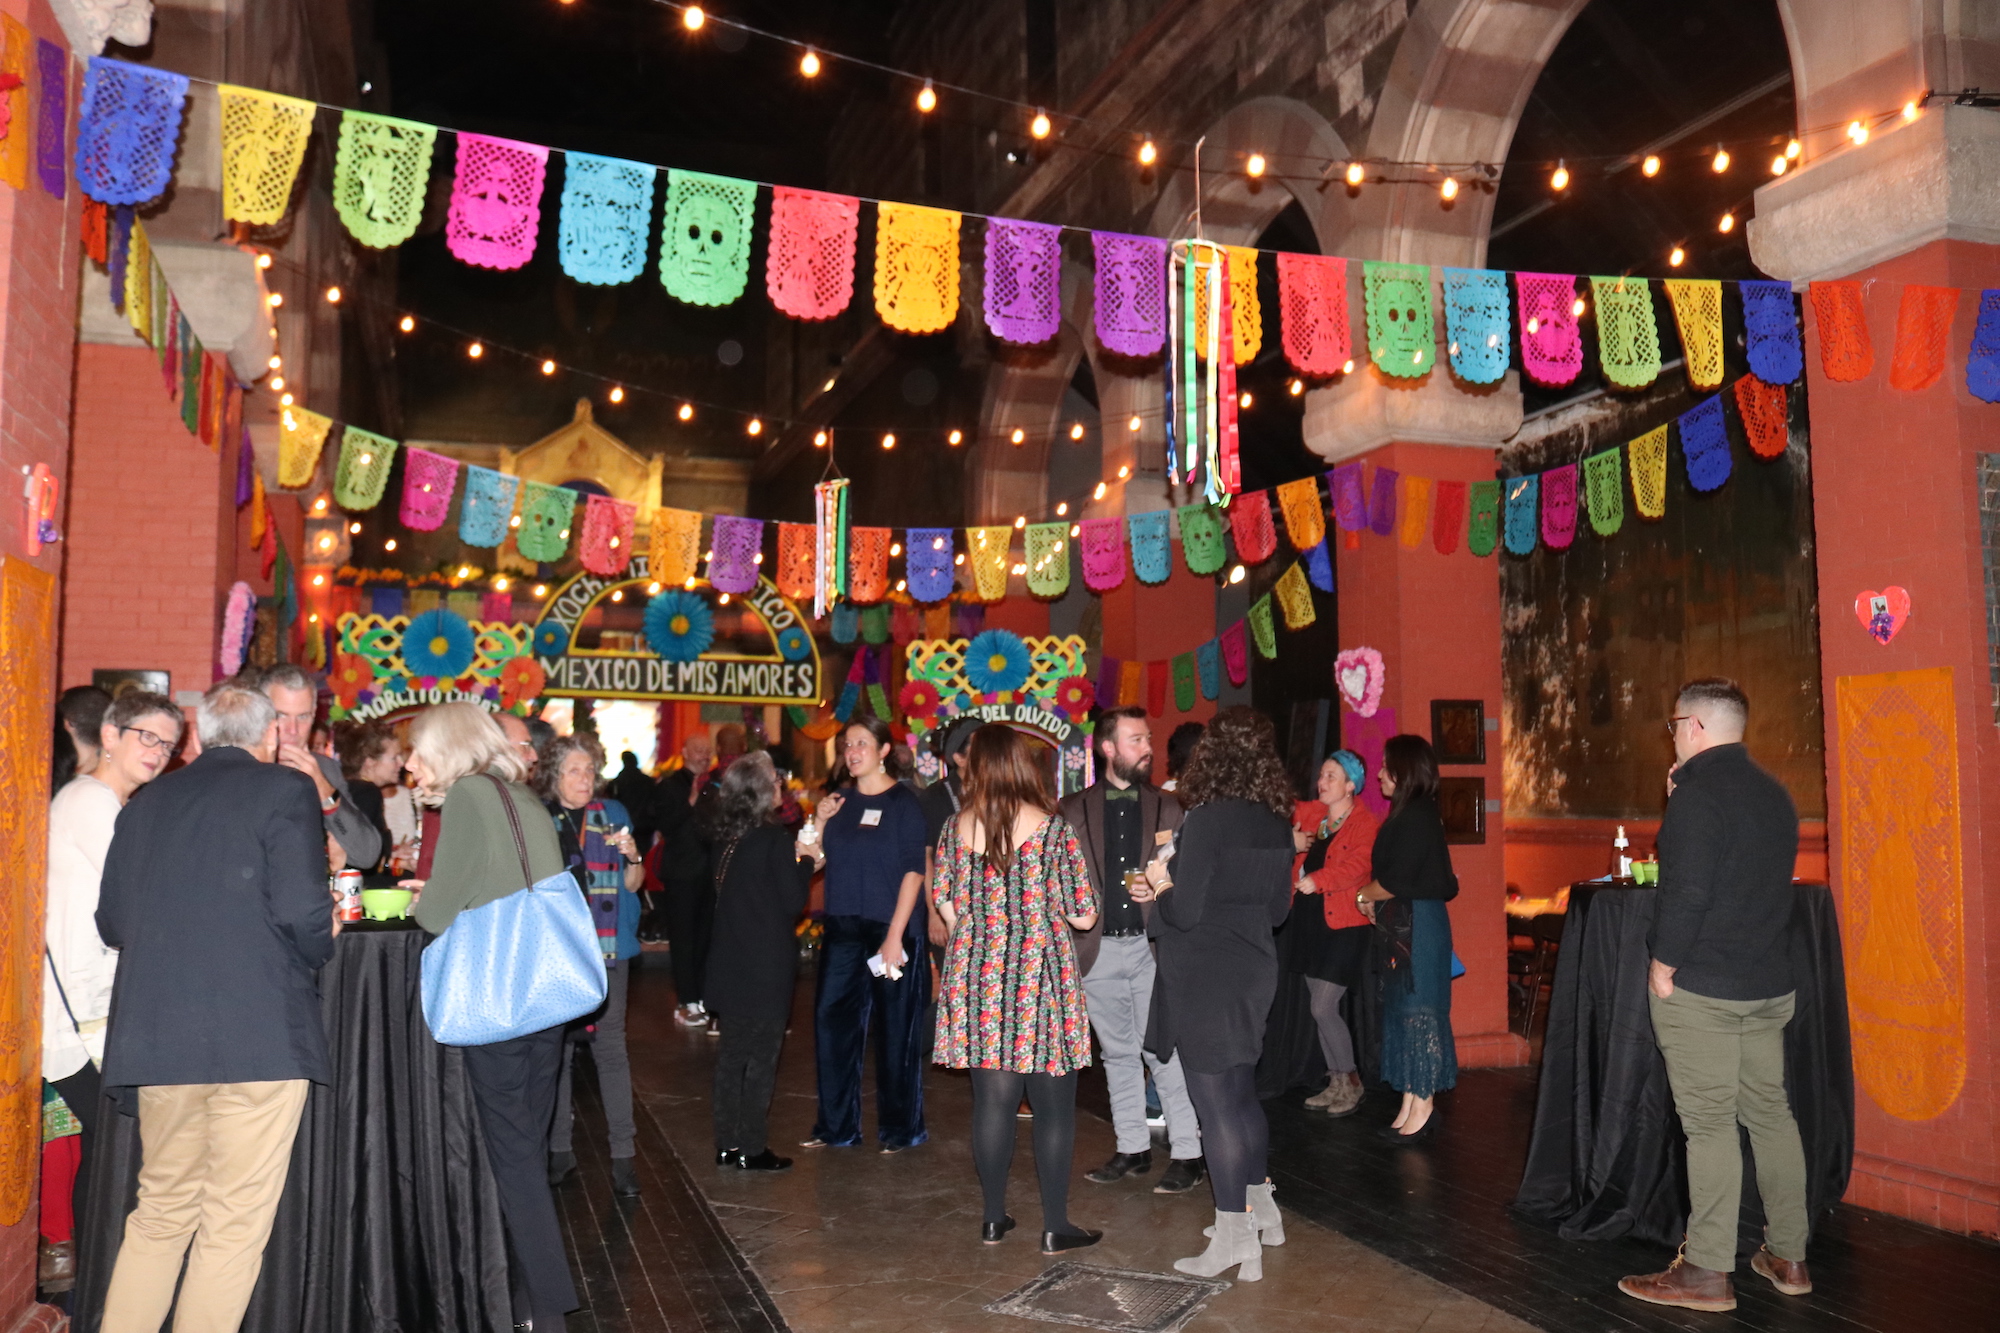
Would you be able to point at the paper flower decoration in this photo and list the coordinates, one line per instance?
(347, 676)
(521, 681)
(1357, 675)
(679, 625)
(996, 662)
(920, 701)
(438, 644)
(1074, 696)
(794, 644)
(551, 639)
(239, 622)
(929, 767)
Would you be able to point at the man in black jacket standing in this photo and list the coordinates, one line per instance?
(215, 894)
(1722, 992)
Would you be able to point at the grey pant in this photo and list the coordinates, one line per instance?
(614, 1068)
(1119, 994)
(1336, 1043)
(1726, 1064)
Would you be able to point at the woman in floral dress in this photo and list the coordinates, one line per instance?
(1011, 1006)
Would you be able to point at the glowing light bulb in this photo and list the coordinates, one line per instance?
(406, 324)
(1534, 325)
(1576, 307)
(1124, 471)
(1133, 424)
(1356, 173)
(277, 383)
(1019, 437)
(514, 522)
(1448, 188)
(1909, 111)
(1099, 493)
(1677, 258)
(617, 394)
(541, 590)
(927, 98)
(366, 459)
(889, 440)
(1558, 181)
(564, 534)
(1779, 164)
(1254, 166)
(263, 261)
(389, 545)
(1020, 521)
(1244, 399)
(1062, 510)
(285, 399)
(1039, 126)
(819, 439)
(319, 581)
(1720, 163)
(501, 585)
(276, 362)
(1727, 224)
(1076, 431)
(1347, 367)
(1076, 529)
(955, 439)
(1298, 387)
(1793, 149)
(333, 296)
(756, 426)
(353, 529)
(901, 584)
(1651, 166)
(809, 64)
(1236, 574)
(476, 351)
(686, 413)
(1857, 132)
(548, 367)
(1148, 154)
(275, 299)
(958, 559)
(895, 548)
(618, 596)
(692, 18)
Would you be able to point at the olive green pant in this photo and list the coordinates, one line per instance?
(1726, 1064)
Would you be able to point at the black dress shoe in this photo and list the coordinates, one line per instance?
(1394, 1135)
(764, 1161)
(562, 1165)
(1182, 1174)
(624, 1178)
(992, 1233)
(729, 1157)
(1055, 1242)
(1121, 1165)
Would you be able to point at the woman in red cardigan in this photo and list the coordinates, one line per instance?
(1326, 939)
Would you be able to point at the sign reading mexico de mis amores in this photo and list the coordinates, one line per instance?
(676, 653)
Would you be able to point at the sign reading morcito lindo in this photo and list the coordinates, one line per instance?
(671, 646)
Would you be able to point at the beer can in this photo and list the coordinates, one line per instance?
(347, 895)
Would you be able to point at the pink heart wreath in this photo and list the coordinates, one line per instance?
(1357, 675)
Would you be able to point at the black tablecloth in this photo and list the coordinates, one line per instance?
(389, 1219)
(1607, 1158)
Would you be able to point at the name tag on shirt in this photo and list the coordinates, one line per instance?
(870, 818)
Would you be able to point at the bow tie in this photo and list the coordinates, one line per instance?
(1121, 793)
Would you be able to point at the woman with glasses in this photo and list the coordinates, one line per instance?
(873, 836)
(1326, 940)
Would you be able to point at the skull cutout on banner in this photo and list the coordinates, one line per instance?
(1402, 336)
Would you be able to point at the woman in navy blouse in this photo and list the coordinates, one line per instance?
(873, 833)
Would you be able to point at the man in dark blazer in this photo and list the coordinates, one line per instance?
(215, 895)
(1117, 819)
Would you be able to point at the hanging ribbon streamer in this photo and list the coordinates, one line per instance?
(1023, 280)
(1705, 444)
(927, 563)
(546, 512)
(1628, 338)
(1236, 652)
(1448, 525)
(673, 548)
(795, 559)
(1182, 667)
(986, 551)
(1103, 543)
(488, 504)
(1350, 503)
(1475, 319)
(428, 481)
(1312, 306)
(1047, 547)
(1697, 304)
(1765, 410)
(1319, 566)
(1202, 545)
(605, 546)
(809, 266)
(1397, 297)
(916, 267)
(1551, 342)
(1295, 598)
(607, 205)
(1250, 524)
(867, 564)
(1416, 512)
(1523, 497)
(830, 544)
(1923, 327)
(1559, 506)
(380, 173)
(705, 237)
(1226, 477)
(362, 474)
(1129, 293)
(1482, 529)
(1305, 517)
(496, 201)
(301, 436)
(52, 76)
(734, 547)
(1382, 503)
(1982, 361)
(1771, 331)
(126, 131)
(1647, 458)
(1152, 549)
(1846, 353)
(1169, 405)
(263, 141)
(1208, 665)
(1604, 491)
(1263, 632)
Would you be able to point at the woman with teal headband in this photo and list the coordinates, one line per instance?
(1326, 939)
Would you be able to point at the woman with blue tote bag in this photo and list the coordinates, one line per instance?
(494, 842)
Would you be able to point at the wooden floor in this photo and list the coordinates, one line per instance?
(666, 1262)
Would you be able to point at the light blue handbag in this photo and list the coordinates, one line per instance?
(520, 964)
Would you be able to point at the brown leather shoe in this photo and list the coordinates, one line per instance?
(1684, 1285)
(1788, 1276)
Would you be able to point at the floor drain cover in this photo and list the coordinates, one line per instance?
(1109, 1298)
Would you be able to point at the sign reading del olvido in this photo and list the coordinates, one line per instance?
(673, 659)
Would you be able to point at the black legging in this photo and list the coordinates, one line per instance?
(1235, 1137)
(996, 1098)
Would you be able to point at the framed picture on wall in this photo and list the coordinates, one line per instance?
(1462, 803)
(1458, 730)
(115, 681)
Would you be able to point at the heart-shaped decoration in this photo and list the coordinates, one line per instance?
(1883, 614)
(1357, 675)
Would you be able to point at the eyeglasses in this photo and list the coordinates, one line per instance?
(148, 739)
(1673, 723)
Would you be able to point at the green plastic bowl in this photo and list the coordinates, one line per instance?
(385, 904)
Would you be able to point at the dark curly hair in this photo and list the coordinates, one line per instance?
(1237, 759)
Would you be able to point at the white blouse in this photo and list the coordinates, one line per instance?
(81, 820)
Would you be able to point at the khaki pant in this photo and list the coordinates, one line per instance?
(1726, 1064)
(215, 1158)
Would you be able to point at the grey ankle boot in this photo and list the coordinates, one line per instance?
(1264, 1215)
(1234, 1245)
